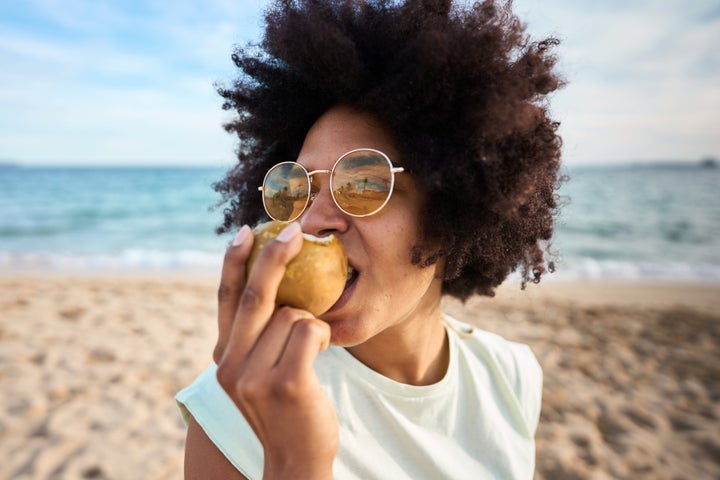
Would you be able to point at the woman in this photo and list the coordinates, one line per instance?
(447, 103)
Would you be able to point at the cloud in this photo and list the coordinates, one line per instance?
(84, 81)
(642, 77)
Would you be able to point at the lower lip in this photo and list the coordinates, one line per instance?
(346, 294)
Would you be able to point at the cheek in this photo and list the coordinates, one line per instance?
(397, 246)
(389, 241)
(394, 261)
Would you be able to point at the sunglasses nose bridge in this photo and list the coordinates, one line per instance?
(313, 172)
(312, 195)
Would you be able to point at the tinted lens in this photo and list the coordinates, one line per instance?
(285, 191)
(362, 181)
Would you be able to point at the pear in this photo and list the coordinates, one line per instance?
(315, 278)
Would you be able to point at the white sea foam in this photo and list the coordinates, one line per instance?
(128, 260)
(592, 269)
(195, 260)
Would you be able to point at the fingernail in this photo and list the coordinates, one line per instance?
(241, 236)
(289, 232)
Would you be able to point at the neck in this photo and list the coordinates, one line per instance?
(414, 351)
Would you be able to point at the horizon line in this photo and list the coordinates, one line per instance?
(707, 160)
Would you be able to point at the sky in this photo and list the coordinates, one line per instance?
(99, 82)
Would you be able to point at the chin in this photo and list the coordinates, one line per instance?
(345, 333)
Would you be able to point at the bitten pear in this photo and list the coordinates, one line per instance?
(315, 278)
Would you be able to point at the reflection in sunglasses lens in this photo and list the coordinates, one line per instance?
(286, 191)
(361, 182)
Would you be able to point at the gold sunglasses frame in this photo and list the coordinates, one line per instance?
(311, 196)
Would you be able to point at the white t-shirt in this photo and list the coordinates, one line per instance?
(478, 422)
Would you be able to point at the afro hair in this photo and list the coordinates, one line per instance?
(464, 91)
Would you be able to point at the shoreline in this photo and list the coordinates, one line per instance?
(644, 293)
(628, 293)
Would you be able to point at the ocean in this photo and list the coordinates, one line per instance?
(644, 222)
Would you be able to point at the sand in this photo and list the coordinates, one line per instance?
(89, 365)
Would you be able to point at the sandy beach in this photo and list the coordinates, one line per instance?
(89, 365)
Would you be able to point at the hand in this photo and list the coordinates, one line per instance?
(265, 361)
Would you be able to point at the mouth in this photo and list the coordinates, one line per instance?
(352, 276)
(350, 282)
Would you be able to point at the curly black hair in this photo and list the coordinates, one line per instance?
(462, 88)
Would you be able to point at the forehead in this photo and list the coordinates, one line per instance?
(340, 130)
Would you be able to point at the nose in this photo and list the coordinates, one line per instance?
(322, 217)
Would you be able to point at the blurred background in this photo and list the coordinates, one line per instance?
(110, 133)
(111, 137)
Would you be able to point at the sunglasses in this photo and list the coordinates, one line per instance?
(361, 182)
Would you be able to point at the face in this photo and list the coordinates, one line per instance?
(387, 293)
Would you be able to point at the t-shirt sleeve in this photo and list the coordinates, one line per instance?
(529, 384)
(222, 422)
(519, 374)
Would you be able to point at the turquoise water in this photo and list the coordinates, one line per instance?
(621, 222)
(109, 218)
(660, 221)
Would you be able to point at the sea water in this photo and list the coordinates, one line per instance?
(657, 222)
(109, 218)
(643, 221)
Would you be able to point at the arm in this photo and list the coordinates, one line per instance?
(203, 460)
(265, 361)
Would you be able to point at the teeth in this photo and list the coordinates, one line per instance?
(351, 272)
(313, 238)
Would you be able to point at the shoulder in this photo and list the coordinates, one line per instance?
(513, 366)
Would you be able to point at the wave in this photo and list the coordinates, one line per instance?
(140, 260)
(126, 260)
(593, 269)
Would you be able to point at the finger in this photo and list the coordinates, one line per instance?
(248, 385)
(257, 301)
(269, 347)
(232, 283)
(309, 336)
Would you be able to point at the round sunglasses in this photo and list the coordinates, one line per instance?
(361, 182)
